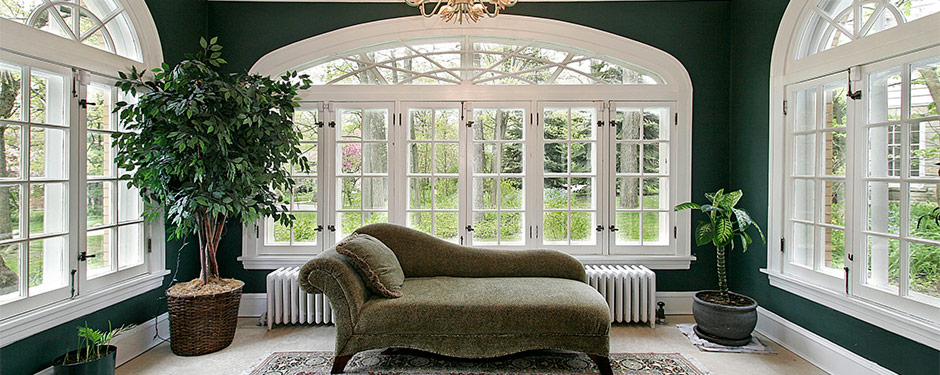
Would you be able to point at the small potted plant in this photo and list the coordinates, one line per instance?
(206, 147)
(94, 356)
(721, 316)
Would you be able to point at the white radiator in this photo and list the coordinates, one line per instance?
(288, 304)
(630, 292)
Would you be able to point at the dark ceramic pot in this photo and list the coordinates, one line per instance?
(101, 366)
(724, 324)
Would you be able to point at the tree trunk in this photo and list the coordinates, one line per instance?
(9, 89)
(629, 160)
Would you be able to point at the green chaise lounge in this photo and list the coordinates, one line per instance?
(463, 302)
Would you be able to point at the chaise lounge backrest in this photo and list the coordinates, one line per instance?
(423, 255)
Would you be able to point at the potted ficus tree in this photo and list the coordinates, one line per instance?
(205, 148)
(721, 316)
(94, 355)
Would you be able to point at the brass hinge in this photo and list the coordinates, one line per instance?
(784, 107)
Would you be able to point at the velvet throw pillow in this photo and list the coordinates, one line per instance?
(375, 262)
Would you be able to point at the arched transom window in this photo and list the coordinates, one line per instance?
(476, 60)
(520, 133)
(832, 23)
(102, 24)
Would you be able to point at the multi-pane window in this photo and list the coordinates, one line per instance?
(114, 227)
(640, 176)
(103, 24)
(833, 23)
(818, 182)
(362, 161)
(497, 164)
(304, 200)
(66, 220)
(34, 182)
(500, 141)
(477, 60)
(570, 175)
(433, 163)
(902, 127)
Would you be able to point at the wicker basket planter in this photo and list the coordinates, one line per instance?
(203, 324)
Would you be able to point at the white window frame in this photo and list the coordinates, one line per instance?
(48, 49)
(786, 70)
(676, 88)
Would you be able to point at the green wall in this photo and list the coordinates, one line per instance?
(755, 27)
(695, 32)
(180, 24)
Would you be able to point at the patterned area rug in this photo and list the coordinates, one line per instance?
(375, 362)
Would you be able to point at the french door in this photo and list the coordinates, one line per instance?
(585, 177)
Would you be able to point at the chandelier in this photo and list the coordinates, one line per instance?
(451, 10)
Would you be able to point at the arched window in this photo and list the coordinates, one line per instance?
(855, 160)
(72, 239)
(518, 133)
(480, 60)
(832, 23)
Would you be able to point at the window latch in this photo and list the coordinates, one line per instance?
(469, 228)
(331, 228)
(600, 228)
(600, 123)
(470, 124)
(84, 256)
(319, 228)
(319, 124)
(332, 124)
(84, 103)
(856, 94)
(613, 228)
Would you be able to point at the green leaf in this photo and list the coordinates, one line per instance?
(744, 220)
(723, 231)
(687, 206)
(731, 199)
(703, 234)
(202, 42)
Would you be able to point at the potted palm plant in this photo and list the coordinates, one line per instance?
(721, 316)
(94, 356)
(206, 148)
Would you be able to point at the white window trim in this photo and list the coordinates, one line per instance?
(784, 71)
(22, 40)
(677, 88)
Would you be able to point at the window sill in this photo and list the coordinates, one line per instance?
(655, 262)
(20, 326)
(895, 321)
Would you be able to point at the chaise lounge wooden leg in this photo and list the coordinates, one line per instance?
(603, 364)
(339, 363)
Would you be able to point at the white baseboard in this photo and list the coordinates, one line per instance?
(136, 341)
(253, 305)
(823, 353)
(677, 303)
